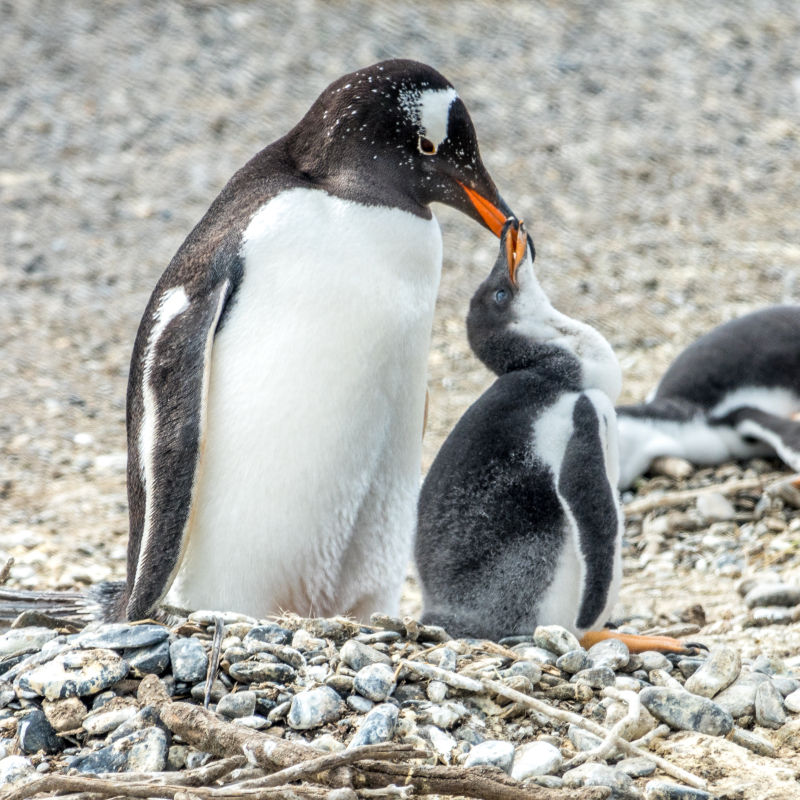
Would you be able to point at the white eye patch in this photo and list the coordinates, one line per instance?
(429, 110)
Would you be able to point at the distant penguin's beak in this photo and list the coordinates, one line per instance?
(494, 216)
(516, 242)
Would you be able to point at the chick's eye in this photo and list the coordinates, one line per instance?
(500, 296)
(426, 146)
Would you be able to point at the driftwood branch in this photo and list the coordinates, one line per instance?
(653, 501)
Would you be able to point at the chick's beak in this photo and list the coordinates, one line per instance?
(494, 216)
(516, 243)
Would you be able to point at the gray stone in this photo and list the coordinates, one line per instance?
(261, 671)
(122, 636)
(436, 691)
(535, 758)
(447, 659)
(237, 704)
(279, 712)
(65, 715)
(443, 743)
(189, 660)
(772, 615)
(661, 790)
(101, 722)
(556, 639)
(218, 691)
(147, 750)
(792, 701)
(357, 655)
(740, 697)
(685, 711)
(409, 692)
(583, 739)
(769, 706)
(715, 507)
(152, 660)
(752, 741)
(269, 632)
(254, 721)
(637, 767)
(492, 753)
(359, 703)
(176, 757)
(772, 594)
(15, 768)
(574, 661)
(653, 660)
(596, 677)
(24, 640)
(314, 707)
(528, 669)
(599, 775)
(538, 655)
(75, 673)
(146, 717)
(378, 726)
(443, 715)
(658, 677)
(785, 685)
(611, 653)
(7, 693)
(375, 682)
(688, 666)
(720, 670)
(35, 734)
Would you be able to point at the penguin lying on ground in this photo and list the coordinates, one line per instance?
(519, 521)
(277, 384)
(729, 395)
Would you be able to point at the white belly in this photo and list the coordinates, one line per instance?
(308, 480)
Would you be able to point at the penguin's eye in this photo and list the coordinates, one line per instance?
(426, 146)
(500, 296)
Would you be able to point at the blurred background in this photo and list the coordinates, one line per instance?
(652, 148)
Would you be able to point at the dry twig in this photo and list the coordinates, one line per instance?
(653, 501)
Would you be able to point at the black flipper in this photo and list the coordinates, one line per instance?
(782, 434)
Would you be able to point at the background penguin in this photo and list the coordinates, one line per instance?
(731, 394)
(519, 522)
(277, 383)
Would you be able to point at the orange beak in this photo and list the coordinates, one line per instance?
(490, 214)
(516, 243)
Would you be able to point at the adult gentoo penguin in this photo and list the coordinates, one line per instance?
(731, 394)
(277, 382)
(519, 521)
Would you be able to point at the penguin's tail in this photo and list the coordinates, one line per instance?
(98, 603)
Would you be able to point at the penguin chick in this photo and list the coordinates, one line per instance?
(730, 394)
(519, 522)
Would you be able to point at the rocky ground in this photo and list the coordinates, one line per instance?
(654, 151)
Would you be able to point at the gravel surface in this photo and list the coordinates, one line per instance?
(653, 150)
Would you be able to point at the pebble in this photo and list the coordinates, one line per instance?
(661, 790)
(637, 767)
(35, 734)
(574, 661)
(314, 707)
(271, 633)
(719, 671)
(583, 739)
(740, 697)
(378, 726)
(261, 671)
(598, 775)
(555, 639)
(651, 660)
(611, 653)
(685, 711)
(254, 721)
(375, 682)
(152, 660)
(359, 704)
(491, 753)
(147, 750)
(189, 660)
(785, 685)
(75, 673)
(146, 717)
(535, 758)
(122, 636)
(7, 694)
(15, 768)
(65, 715)
(752, 741)
(775, 594)
(528, 669)
(792, 702)
(445, 715)
(237, 704)
(772, 615)
(769, 706)
(101, 722)
(24, 640)
(715, 507)
(443, 743)
(596, 677)
(436, 691)
(357, 655)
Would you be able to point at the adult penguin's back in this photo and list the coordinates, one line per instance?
(277, 383)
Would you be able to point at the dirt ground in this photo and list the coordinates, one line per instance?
(653, 150)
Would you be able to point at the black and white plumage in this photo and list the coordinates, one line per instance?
(277, 382)
(729, 395)
(519, 520)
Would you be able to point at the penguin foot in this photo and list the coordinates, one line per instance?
(638, 644)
